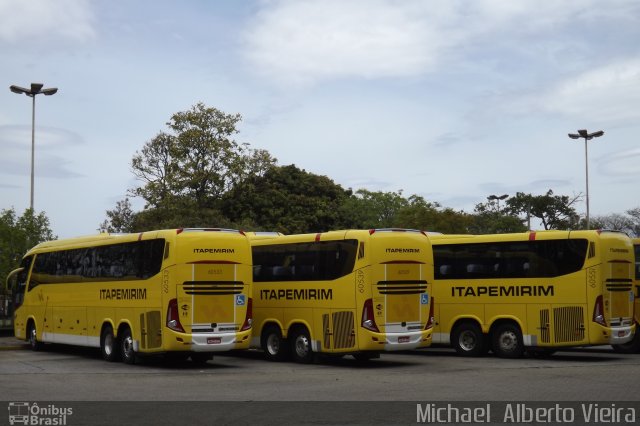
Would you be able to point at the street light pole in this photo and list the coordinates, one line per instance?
(36, 89)
(587, 136)
(497, 199)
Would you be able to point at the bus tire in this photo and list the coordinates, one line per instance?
(126, 347)
(301, 350)
(468, 340)
(274, 346)
(109, 346)
(507, 341)
(632, 346)
(34, 344)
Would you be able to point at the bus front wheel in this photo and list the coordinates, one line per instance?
(468, 339)
(301, 346)
(507, 341)
(33, 337)
(273, 345)
(126, 347)
(108, 345)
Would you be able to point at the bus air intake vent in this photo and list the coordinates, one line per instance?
(568, 324)
(212, 288)
(402, 287)
(544, 326)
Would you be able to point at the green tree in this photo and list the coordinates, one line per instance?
(489, 218)
(634, 215)
(367, 209)
(185, 172)
(120, 219)
(286, 199)
(428, 216)
(554, 211)
(18, 234)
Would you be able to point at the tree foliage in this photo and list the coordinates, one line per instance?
(553, 211)
(199, 161)
(18, 234)
(286, 199)
(428, 216)
(366, 209)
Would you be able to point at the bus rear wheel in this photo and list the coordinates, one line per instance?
(126, 347)
(507, 341)
(109, 345)
(301, 346)
(273, 345)
(468, 340)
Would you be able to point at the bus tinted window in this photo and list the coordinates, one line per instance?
(317, 261)
(518, 259)
(137, 260)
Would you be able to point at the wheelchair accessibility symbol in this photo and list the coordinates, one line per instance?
(240, 300)
(424, 299)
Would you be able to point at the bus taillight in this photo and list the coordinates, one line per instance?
(173, 317)
(431, 319)
(598, 312)
(368, 321)
(248, 319)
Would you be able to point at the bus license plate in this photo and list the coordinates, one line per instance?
(403, 339)
(622, 333)
(213, 340)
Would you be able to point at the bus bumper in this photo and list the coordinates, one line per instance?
(209, 342)
(397, 341)
(620, 335)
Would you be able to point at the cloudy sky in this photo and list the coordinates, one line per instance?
(453, 100)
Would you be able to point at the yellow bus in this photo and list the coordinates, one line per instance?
(634, 345)
(184, 292)
(535, 290)
(354, 292)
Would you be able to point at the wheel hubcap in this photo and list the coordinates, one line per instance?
(302, 346)
(467, 341)
(273, 344)
(127, 345)
(508, 341)
(108, 344)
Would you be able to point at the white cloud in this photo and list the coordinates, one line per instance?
(309, 40)
(304, 41)
(22, 20)
(609, 94)
(626, 163)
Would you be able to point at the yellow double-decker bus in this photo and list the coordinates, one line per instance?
(634, 345)
(185, 292)
(535, 290)
(352, 292)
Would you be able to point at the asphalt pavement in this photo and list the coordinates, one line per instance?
(9, 342)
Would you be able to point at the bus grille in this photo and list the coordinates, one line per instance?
(620, 284)
(213, 288)
(544, 326)
(568, 324)
(402, 287)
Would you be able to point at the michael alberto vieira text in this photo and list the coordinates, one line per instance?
(516, 413)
